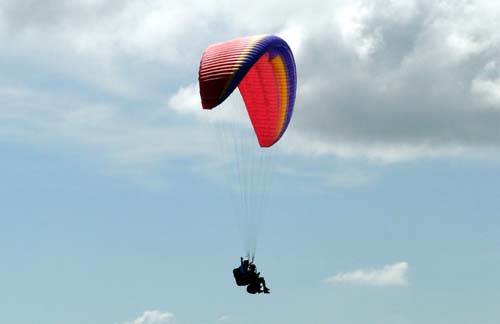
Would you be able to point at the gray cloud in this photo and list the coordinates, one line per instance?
(400, 76)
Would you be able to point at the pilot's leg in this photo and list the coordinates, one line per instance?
(263, 282)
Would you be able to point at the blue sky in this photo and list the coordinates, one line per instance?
(115, 205)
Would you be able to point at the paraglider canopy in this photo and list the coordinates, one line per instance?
(263, 68)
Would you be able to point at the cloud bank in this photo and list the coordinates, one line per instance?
(377, 80)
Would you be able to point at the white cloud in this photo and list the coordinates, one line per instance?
(389, 275)
(153, 317)
(223, 318)
(304, 144)
(462, 46)
(294, 35)
(487, 84)
(186, 101)
(350, 23)
(160, 317)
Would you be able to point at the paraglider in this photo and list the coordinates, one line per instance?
(246, 275)
(263, 69)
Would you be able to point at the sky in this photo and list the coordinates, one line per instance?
(116, 206)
